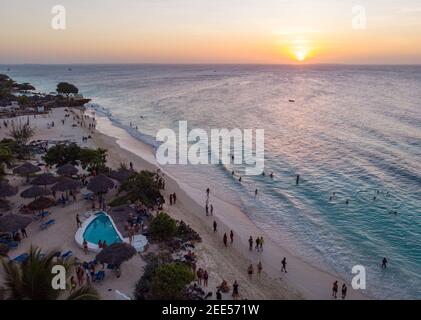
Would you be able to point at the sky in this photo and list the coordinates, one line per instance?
(212, 31)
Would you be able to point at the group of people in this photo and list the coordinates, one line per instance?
(225, 238)
(173, 199)
(335, 289)
(259, 243)
(202, 277)
(250, 270)
(224, 288)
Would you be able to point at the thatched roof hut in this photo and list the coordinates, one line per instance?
(116, 254)
(41, 204)
(44, 179)
(13, 223)
(67, 170)
(66, 184)
(26, 169)
(100, 184)
(35, 192)
(6, 190)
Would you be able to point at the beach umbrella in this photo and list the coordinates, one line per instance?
(6, 190)
(44, 179)
(35, 192)
(4, 250)
(66, 184)
(67, 170)
(26, 169)
(41, 204)
(116, 254)
(13, 223)
(100, 184)
(120, 175)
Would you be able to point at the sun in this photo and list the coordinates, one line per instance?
(300, 55)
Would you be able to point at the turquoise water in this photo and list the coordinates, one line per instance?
(353, 130)
(101, 229)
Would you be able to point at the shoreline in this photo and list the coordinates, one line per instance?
(303, 280)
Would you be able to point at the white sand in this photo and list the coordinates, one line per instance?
(302, 281)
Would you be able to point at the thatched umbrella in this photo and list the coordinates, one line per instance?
(67, 170)
(6, 190)
(121, 175)
(35, 192)
(116, 254)
(44, 179)
(100, 184)
(41, 204)
(66, 184)
(26, 169)
(13, 223)
(4, 250)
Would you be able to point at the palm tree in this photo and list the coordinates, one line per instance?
(31, 280)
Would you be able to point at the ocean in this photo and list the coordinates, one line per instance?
(353, 130)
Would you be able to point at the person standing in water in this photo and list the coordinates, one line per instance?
(256, 193)
(298, 179)
(384, 263)
(232, 236)
(215, 227)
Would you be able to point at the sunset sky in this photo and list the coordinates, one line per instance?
(211, 31)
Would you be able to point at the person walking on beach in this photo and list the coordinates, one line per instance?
(207, 209)
(207, 193)
(232, 236)
(24, 234)
(211, 210)
(235, 293)
(250, 271)
(174, 196)
(251, 243)
(259, 269)
(284, 265)
(85, 246)
(257, 244)
(79, 223)
(215, 227)
(225, 240)
(335, 289)
(205, 278)
(199, 276)
(171, 199)
(344, 291)
(262, 242)
(384, 263)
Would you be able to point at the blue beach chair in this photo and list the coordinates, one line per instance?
(99, 276)
(47, 224)
(22, 258)
(67, 255)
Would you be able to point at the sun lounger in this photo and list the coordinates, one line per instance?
(21, 258)
(99, 276)
(13, 245)
(88, 196)
(42, 215)
(47, 224)
(67, 255)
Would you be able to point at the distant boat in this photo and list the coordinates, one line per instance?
(291, 100)
(70, 69)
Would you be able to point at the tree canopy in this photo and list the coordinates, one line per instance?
(162, 227)
(169, 281)
(67, 88)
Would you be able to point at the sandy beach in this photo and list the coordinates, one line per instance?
(302, 281)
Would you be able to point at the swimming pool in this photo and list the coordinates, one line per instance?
(101, 229)
(99, 226)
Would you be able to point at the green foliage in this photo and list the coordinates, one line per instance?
(62, 154)
(23, 100)
(84, 293)
(93, 159)
(6, 155)
(140, 186)
(21, 133)
(89, 158)
(67, 88)
(162, 227)
(31, 280)
(169, 281)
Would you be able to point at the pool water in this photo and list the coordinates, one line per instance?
(101, 228)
